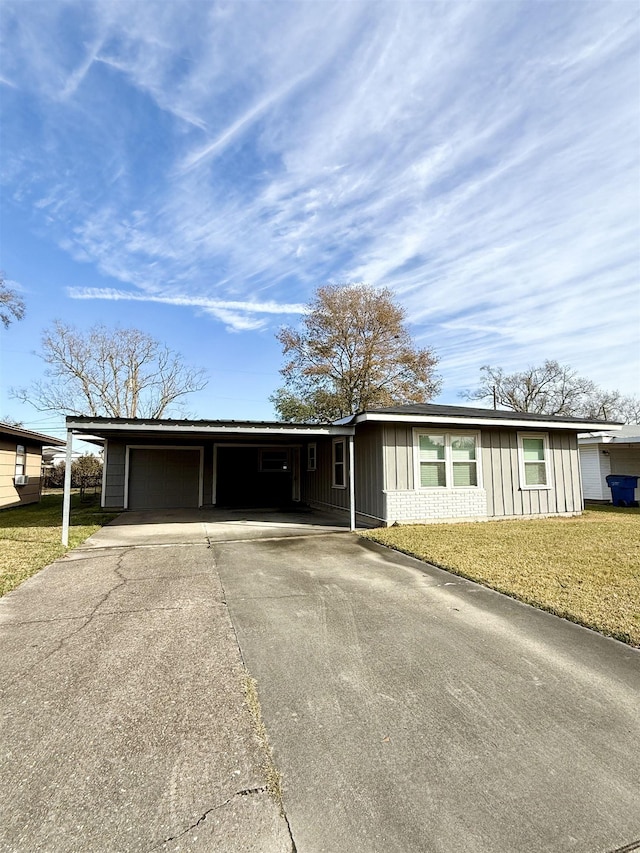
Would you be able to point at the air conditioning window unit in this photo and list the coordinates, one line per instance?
(21, 480)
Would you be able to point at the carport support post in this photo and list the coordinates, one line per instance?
(66, 501)
(352, 487)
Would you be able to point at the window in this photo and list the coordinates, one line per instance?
(274, 460)
(339, 479)
(311, 457)
(447, 460)
(432, 461)
(533, 454)
(463, 461)
(21, 460)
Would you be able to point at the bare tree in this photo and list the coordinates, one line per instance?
(120, 373)
(12, 305)
(353, 352)
(552, 389)
(630, 410)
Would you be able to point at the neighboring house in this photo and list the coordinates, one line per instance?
(21, 464)
(603, 453)
(398, 464)
(52, 456)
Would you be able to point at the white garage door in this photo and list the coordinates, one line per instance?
(164, 478)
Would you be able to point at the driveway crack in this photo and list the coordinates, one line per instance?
(245, 792)
(87, 621)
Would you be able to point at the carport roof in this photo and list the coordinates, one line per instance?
(112, 427)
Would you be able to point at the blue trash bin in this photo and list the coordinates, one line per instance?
(623, 488)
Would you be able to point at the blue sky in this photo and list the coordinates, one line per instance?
(197, 169)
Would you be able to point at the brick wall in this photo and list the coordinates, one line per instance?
(437, 504)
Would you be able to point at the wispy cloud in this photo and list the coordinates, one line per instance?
(481, 159)
(237, 315)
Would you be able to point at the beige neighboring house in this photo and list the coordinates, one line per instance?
(21, 464)
(603, 453)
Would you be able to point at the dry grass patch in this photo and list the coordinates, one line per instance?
(271, 773)
(30, 535)
(586, 569)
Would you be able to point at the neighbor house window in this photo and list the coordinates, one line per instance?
(446, 460)
(311, 457)
(21, 460)
(339, 479)
(533, 452)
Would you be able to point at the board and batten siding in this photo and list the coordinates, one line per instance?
(316, 485)
(115, 454)
(501, 495)
(501, 474)
(317, 488)
(370, 506)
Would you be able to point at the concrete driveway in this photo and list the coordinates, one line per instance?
(408, 710)
(123, 724)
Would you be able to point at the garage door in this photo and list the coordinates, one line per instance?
(163, 478)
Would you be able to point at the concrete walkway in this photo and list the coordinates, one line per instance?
(408, 710)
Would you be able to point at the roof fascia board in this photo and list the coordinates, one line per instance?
(29, 435)
(475, 421)
(201, 429)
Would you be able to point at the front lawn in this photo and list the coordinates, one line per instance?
(30, 535)
(586, 569)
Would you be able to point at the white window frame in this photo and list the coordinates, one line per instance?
(547, 459)
(312, 456)
(448, 459)
(21, 460)
(334, 463)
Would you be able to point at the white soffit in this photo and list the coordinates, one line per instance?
(474, 421)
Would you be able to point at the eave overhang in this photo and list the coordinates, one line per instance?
(474, 421)
(115, 427)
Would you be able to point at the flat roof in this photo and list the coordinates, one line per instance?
(105, 427)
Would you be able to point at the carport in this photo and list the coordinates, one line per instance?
(179, 464)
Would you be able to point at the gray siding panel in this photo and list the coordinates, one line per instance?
(576, 480)
(398, 456)
(317, 484)
(502, 477)
(368, 474)
(114, 481)
(369, 471)
(560, 460)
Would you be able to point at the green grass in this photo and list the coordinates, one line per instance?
(586, 569)
(30, 535)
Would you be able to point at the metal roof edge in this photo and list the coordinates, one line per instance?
(96, 425)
